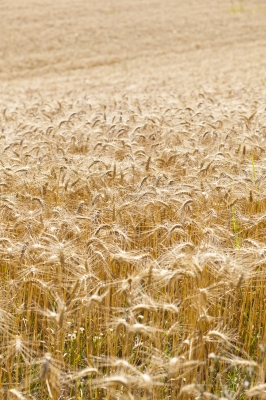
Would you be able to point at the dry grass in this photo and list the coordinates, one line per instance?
(132, 220)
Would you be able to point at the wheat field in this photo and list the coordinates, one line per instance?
(132, 200)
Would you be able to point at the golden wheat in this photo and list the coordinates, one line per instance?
(132, 201)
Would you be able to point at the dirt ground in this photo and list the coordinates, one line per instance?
(115, 47)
